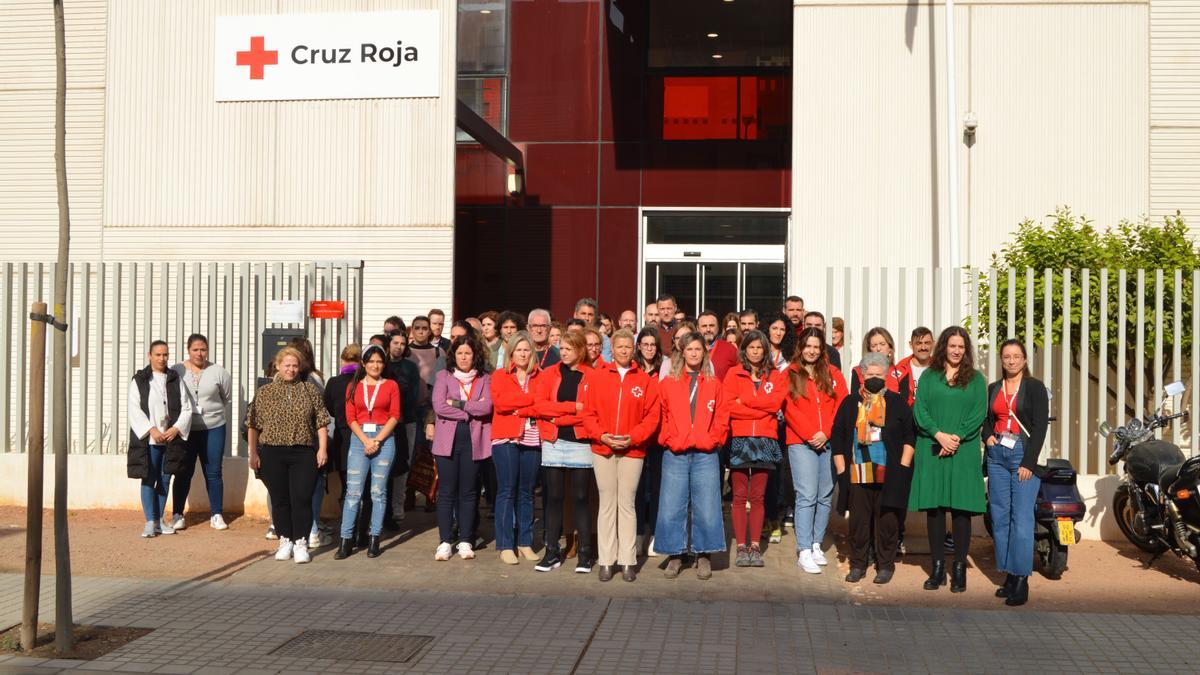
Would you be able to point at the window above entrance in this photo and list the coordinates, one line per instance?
(717, 228)
(720, 33)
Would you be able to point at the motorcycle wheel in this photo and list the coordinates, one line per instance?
(1054, 561)
(1125, 511)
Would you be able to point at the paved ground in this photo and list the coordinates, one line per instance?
(226, 627)
(226, 612)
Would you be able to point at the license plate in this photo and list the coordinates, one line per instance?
(1066, 531)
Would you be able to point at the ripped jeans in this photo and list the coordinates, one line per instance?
(358, 464)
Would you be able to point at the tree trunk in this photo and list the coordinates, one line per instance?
(64, 634)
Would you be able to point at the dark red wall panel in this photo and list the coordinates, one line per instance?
(561, 173)
(618, 261)
(554, 73)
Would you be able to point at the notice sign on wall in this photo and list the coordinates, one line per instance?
(289, 57)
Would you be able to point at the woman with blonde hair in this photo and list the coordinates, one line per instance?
(285, 436)
(516, 449)
(695, 420)
(879, 341)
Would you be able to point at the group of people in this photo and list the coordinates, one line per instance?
(653, 420)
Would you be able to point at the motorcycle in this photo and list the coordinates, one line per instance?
(1157, 504)
(1058, 508)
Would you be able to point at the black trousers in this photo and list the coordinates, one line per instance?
(871, 521)
(458, 494)
(290, 472)
(961, 524)
(552, 504)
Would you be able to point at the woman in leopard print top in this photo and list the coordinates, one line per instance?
(288, 419)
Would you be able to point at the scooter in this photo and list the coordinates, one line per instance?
(1058, 508)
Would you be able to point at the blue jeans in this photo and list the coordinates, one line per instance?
(516, 473)
(209, 446)
(1012, 503)
(155, 485)
(812, 478)
(358, 465)
(692, 479)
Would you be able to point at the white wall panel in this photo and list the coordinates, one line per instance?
(1060, 92)
(1175, 109)
(176, 157)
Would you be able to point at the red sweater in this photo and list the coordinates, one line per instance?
(723, 355)
(806, 416)
(679, 432)
(553, 413)
(754, 415)
(511, 406)
(624, 407)
(386, 403)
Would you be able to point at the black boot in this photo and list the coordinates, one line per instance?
(345, 548)
(1019, 593)
(937, 578)
(1006, 590)
(958, 577)
(373, 546)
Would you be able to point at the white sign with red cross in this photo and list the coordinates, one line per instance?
(291, 57)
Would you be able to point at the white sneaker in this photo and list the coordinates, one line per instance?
(818, 556)
(149, 531)
(466, 551)
(318, 539)
(271, 533)
(177, 522)
(650, 552)
(217, 523)
(300, 552)
(163, 527)
(284, 552)
(806, 562)
(444, 551)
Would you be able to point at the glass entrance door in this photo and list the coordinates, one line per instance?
(724, 261)
(720, 286)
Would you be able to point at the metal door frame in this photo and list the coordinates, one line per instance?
(739, 254)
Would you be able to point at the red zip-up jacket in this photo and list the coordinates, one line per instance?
(904, 370)
(679, 432)
(755, 414)
(553, 413)
(806, 416)
(622, 407)
(511, 405)
(896, 381)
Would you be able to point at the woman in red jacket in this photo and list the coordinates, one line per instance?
(695, 420)
(880, 341)
(516, 449)
(755, 391)
(565, 451)
(620, 415)
(815, 389)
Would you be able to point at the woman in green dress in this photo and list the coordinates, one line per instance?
(948, 471)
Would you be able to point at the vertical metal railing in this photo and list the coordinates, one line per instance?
(115, 309)
(1105, 341)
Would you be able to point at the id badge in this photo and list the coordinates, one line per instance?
(528, 422)
(876, 434)
(370, 428)
(1008, 440)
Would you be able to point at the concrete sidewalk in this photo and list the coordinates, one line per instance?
(232, 627)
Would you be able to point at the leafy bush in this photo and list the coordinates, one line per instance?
(1073, 242)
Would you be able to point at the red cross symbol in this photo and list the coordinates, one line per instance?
(257, 57)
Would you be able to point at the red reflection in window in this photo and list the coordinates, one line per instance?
(750, 107)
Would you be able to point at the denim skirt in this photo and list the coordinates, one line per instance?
(567, 454)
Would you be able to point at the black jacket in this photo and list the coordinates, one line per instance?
(898, 431)
(334, 398)
(408, 378)
(137, 460)
(1032, 408)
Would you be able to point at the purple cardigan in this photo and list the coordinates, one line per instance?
(477, 412)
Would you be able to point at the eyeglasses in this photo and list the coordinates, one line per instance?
(538, 325)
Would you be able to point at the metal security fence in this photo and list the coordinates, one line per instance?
(1105, 341)
(115, 309)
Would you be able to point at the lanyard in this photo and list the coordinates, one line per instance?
(545, 355)
(466, 391)
(369, 400)
(695, 386)
(1011, 402)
